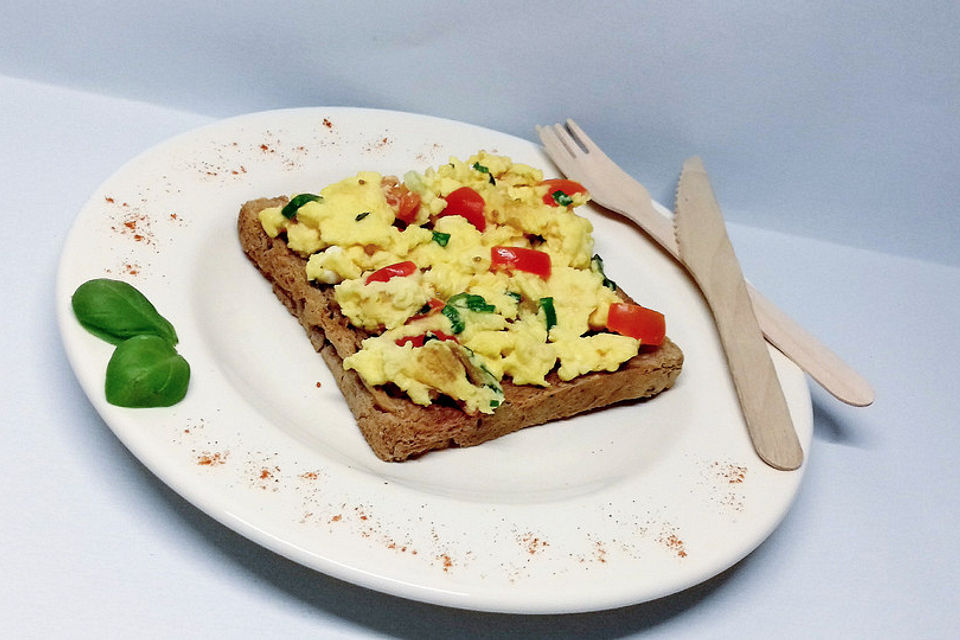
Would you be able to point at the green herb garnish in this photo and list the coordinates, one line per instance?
(516, 296)
(456, 322)
(114, 311)
(482, 169)
(361, 216)
(561, 198)
(596, 265)
(472, 302)
(441, 238)
(145, 369)
(549, 312)
(290, 209)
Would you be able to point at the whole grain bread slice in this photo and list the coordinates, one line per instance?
(395, 427)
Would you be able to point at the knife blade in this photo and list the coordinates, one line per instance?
(705, 249)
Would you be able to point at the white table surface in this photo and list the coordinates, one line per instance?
(93, 546)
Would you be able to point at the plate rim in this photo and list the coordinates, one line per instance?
(184, 488)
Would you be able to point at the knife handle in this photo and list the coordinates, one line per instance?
(755, 379)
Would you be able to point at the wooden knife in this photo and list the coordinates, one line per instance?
(706, 251)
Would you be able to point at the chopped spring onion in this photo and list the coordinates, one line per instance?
(482, 169)
(456, 322)
(290, 209)
(596, 265)
(472, 302)
(549, 311)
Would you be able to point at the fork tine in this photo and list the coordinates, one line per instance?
(557, 150)
(552, 141)
(569, 142)
(581, 137)
(543, 134)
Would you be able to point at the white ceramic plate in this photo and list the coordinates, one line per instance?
(616, 507)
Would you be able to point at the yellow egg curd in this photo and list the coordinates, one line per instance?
(449, 313)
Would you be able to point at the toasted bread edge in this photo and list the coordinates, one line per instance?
(396, 428)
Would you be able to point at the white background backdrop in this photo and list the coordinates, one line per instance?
(832, 120)
(830, 132)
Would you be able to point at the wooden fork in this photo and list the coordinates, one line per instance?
(580, 159)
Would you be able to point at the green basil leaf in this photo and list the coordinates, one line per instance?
(146, 371)
(549, 312)
(441, 238)
(114, 311)
(456, 322)
(290, 209)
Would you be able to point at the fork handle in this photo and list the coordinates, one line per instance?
(808, 353)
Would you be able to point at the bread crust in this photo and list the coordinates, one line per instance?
(395, 427)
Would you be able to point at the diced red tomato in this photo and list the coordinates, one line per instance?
(467, 203)
(646, 325)
(567, 187)
(418, 341)
(520, 259)
(400, 269)
(399, 197)
(434, 305)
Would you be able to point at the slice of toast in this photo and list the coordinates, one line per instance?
(394, 426)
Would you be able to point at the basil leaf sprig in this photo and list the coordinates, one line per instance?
(114, 311)
(145, 369)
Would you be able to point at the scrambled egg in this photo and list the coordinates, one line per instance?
(463, 319)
